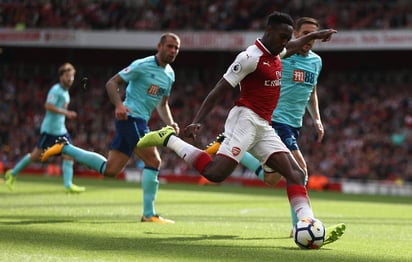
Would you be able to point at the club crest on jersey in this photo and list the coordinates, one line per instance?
(235, 150)
(236, 68)
(153, 90)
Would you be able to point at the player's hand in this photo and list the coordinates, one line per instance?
(319, 130)
(71, 114)
(175, 127)
(121, 112)
(325, 34)
(190, 131)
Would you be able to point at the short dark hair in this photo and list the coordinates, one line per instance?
(164, 36)
(306, 20)
(66, 67)
(277, 18)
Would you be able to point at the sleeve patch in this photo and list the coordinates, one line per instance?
(236, 68)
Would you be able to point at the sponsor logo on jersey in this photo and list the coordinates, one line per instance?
(302, 76)
(274, 82)
(298, 76)
(153, 90)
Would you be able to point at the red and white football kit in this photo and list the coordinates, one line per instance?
(247, 126)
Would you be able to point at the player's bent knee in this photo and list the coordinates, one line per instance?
(301, 176)
(111, 172)
(155, 163)
(272, 178)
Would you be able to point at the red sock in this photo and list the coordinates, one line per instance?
(296, 190)
(201, 161)
(299, 200)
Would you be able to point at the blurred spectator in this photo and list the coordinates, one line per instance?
(368, 129)
(221, 15)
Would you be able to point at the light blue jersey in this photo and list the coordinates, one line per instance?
(54, 123)
(299, 77)
(148, 83)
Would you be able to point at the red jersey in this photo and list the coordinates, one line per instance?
(259, 74)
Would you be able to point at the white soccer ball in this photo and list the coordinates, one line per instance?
(309, 233)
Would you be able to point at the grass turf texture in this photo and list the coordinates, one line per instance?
(39, 222)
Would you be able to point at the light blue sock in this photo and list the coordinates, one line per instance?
(150, 185)
(251, 163)
(22, 164)
(294, 216)
(90, 159)
(67, 168)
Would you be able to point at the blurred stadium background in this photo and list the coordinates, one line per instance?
(365, 88)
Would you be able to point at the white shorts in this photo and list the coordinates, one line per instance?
(245, 131)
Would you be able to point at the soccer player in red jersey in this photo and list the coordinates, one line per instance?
(248, 128)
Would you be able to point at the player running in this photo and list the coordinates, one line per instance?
(52, 127)
(149, 82)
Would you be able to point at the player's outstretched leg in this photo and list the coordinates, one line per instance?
(156, 138)
(55, 149)
(333, 233)
(212, 149)
(90, 159)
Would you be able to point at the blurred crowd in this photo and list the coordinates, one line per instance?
(199, 15)
(367, 118)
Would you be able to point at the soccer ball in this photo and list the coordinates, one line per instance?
(309, 233)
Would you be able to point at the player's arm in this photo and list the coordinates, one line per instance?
(215, 95)
(112, 88)
(295, 45)
(242, 66)
(313, 109)
(165, 113)
(64, 111)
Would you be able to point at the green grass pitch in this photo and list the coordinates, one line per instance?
(39, 222)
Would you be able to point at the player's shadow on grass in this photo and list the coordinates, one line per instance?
(191, 237)
(37, 221)
(195, 237)
(201, 237)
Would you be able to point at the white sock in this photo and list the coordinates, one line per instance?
(183, 149)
